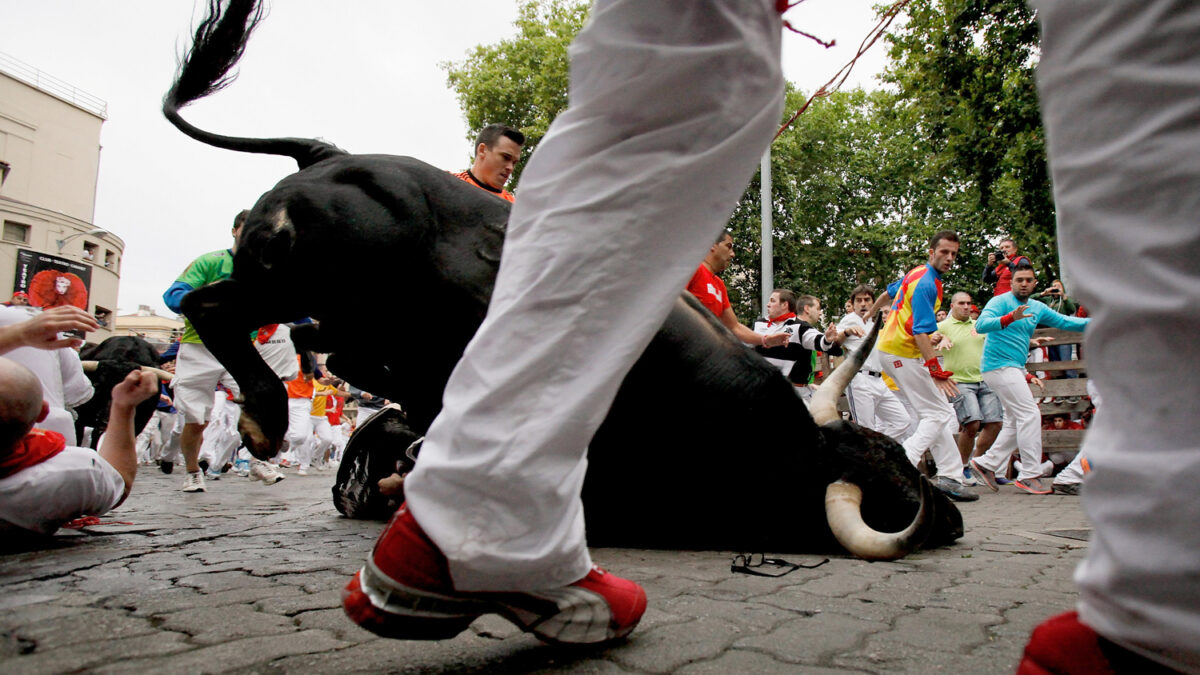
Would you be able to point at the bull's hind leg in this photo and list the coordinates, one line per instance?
(224, 314)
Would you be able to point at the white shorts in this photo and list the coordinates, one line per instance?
(197, 373)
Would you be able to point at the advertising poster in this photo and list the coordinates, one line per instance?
(51, 281)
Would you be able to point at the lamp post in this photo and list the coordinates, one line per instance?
(97, 232)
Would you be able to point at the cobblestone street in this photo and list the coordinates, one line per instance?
(247, 578)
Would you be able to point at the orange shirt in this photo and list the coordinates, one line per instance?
(299, 387)
(501, 193)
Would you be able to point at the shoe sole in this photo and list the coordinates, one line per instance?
(981, 475)
(392, 610)
(1025, 488)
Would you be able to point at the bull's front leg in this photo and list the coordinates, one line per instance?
(224, 314)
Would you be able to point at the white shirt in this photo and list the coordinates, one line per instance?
(75, 482)
(852, 342)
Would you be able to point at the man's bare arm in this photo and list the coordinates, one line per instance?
(42, 330)
(118, 446)
(750, 337)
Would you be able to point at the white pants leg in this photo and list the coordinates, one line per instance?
(1074, 472)
(299, 433)
(934, 415)
(323, 434)
(875, 407)
(1022, 424)
(671, 106)
(1120, 90)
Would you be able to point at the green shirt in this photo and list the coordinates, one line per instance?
(206, 269)
(963, 358)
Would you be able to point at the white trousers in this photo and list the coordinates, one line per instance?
(300, 432)
(221, 436)
(1022, 424)
(197, 373)
(874, 406)
(323, 438)
(671, 106)
(1120, 89)
(1074, 472)
(935, 415)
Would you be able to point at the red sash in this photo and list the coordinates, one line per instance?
(36, 447)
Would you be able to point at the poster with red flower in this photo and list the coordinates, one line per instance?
(51, 281)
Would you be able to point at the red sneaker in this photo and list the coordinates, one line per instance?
(405, 592)
(1064, 646)
(1032, 485)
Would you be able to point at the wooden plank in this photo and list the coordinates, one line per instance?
(1057, 366)
(1061, 337)
(1059, 439)
(1061, 387)
(1061, 407)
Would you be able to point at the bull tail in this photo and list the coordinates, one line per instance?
(218, 44)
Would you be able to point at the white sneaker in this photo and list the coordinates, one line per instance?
(302, 472)
(265, 471)
(194, 482)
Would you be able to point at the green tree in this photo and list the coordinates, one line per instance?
(964, 70)
(521, 81)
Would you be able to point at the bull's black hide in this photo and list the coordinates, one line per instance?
(706, 445)
(116, 357)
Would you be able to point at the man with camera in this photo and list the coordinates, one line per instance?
(999, 269)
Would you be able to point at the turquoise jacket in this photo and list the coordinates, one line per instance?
(1009, 345)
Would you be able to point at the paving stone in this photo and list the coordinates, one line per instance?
(750, 616)
(666, 648)
(937, 629)
(213, 625)
(294, 604)
(97, 653)
(234, 654)
(219, 581)
(83, 627)
(837, 585)
(811, 639)
(738, 661)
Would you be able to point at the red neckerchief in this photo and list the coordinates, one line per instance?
(36, 447)
(780, 319)
(266, 332)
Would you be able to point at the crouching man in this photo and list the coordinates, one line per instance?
(45, 483)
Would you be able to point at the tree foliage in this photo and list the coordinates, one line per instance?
(522, 81)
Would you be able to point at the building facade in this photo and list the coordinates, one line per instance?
(159, 331)
(50, 248)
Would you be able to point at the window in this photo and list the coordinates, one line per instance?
(110, 260)
(103, 316)
(89, 251)
(16, 232)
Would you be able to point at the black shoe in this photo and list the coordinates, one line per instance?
(1066, 488)
(203, 465)
(955, 490)
(166, 467)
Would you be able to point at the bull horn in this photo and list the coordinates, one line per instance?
(89, 366)
(843, 509)
(163, 375)
(823, 405)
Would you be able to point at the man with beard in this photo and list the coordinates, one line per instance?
(1010, 320)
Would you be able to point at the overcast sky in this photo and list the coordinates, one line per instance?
(363, 74)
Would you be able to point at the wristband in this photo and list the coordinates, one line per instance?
(1007, 319)
(935, 370)
(1029, 377)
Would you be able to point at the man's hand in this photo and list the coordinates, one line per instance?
(831, 334)
(776, 340)
(991, 259)
(1019, 312)
(1038, 381)
(1039, 341)
(947, 387)
(392, 485)
(135, 388)
(42, 330)
(943, 343)
(856, 331)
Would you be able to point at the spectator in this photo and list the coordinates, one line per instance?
(711, 292)
(872, 403)
(797, 358)
(976, 406)
(909, 358)
(19, 299)
(1010, 320)
(1055, 297)
(497, 150)
(45, 483)
(59, 372)
(1000, 267)
(941, 315)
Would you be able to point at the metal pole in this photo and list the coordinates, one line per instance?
(768, 248)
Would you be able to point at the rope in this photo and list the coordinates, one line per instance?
(839, 78)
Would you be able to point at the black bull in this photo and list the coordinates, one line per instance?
(706, 444)
(106, 365)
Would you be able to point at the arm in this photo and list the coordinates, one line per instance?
(748, 336)
(174, 296)
(118, 447)
(941, 378)
(42, 330)
(1051, 318)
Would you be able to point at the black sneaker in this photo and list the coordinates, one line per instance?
(166, 467)
(204, 465)
(1066, 488)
